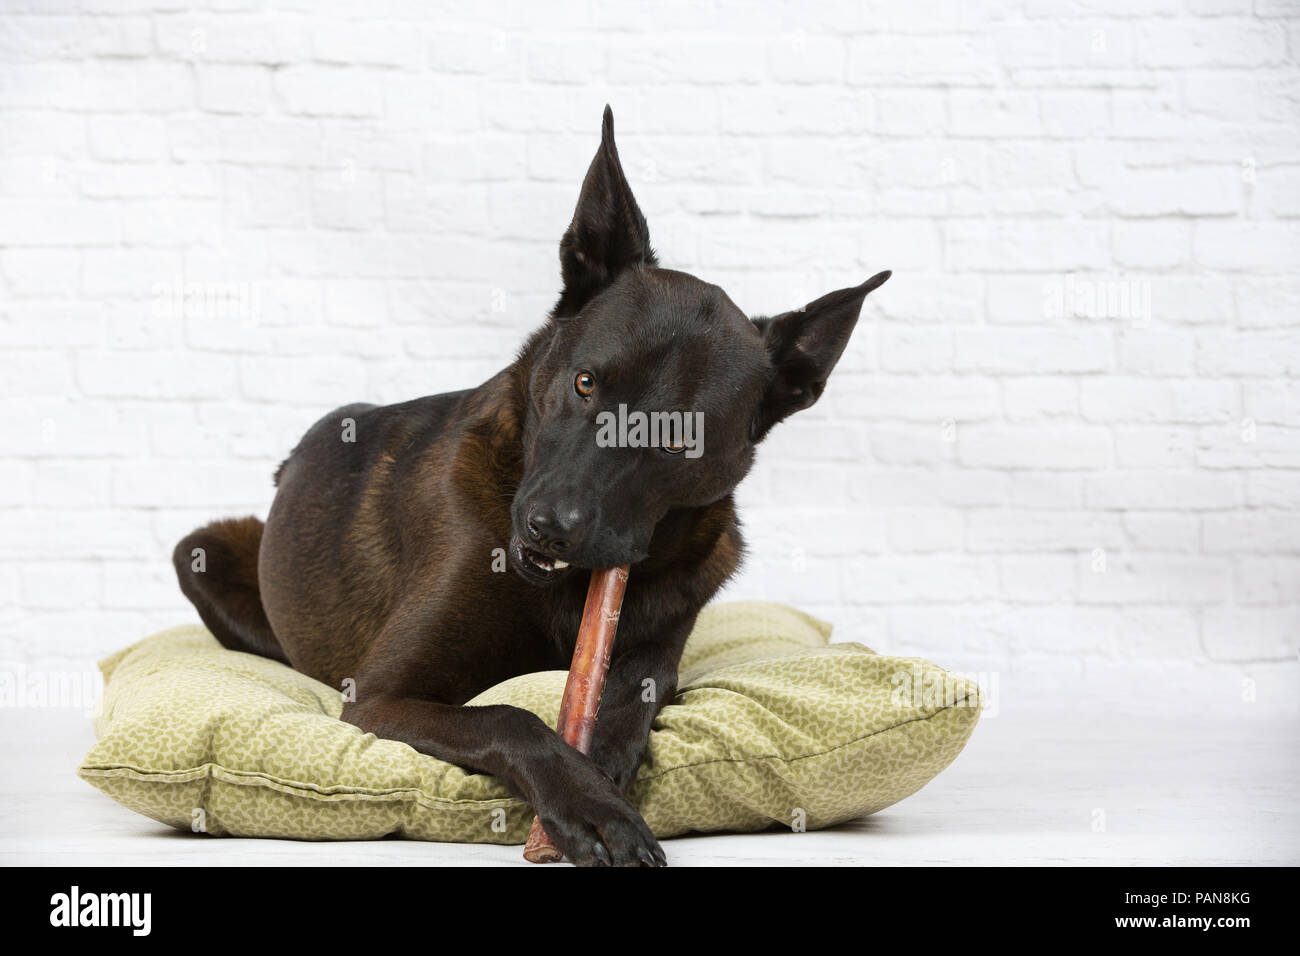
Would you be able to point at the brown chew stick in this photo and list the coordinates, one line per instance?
(585, 684)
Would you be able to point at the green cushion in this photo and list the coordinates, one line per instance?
(771, 725)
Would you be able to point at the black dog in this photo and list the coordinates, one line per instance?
(381, 558)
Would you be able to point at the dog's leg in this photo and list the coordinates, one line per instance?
(398, 697)
(585, 814)
(642, 679)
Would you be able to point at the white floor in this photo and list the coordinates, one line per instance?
(1027, 790)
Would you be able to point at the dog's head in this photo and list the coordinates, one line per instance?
(649, 388)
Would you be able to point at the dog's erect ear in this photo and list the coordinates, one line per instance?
(804, 347)
(608, 233)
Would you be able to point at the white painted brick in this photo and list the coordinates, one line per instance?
(943, 300)
(1014, 350)
(1249, 353)
(73, 484)
(929, 487)
(132, 375)
(1065, 447)
(41, 272)
(1271, 580)
(816, 533)
(234, 89)
(1152, 245)
(147, 179)
(1243, 532)
(1188, 192)
(1268, 301)
(1075, 113)
(70, 428)
(1161, 633)
(138, 584)
(1161, 490)
(370, 44)
(1002, 113)
(1124, 399)
(1194, 300)
(1046, 489)
(1038, 579)
(1041, 531)
(1155, 446)
(49, 37)
(1274, 401)
(550, 59)
(1238, 43)
(705, 61)
(1154, 578)
(916, 112)
(1273, 489)
(925, 529)
(1275, 192)
(938, 578)
(1256, 246)
(921, 61)
(1251, 634)
(914, 445)
(1032, 399)
(1161, 531)
(1026, 245)
(36, 374)
(394, 185)
(328, 91)
(1222, 97)
(915, 349)
(1248, 445)
(127, 137)
(60, 584)
(268, 197)
(958, 630)
(1156, 352)
(172, 483)
(794, 112)
(71, 534)
(26, 222)
(1220, 8)
(275, 41)
(16, 482)
(352, 203)
(1021, 299)
(823, 441)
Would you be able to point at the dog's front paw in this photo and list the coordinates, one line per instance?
(606, 835)
(621, 763)
(594, 824)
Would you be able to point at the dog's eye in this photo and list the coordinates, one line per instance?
(584, 384)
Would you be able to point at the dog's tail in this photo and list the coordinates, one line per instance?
(217, 569)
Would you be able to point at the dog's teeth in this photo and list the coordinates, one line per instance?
(560, 564)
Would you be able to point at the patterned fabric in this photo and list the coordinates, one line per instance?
(772, 725)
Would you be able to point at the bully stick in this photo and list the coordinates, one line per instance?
(586, 682)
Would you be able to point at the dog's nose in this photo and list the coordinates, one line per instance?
(555, 528)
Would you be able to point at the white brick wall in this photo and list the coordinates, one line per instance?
(1064, 445)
